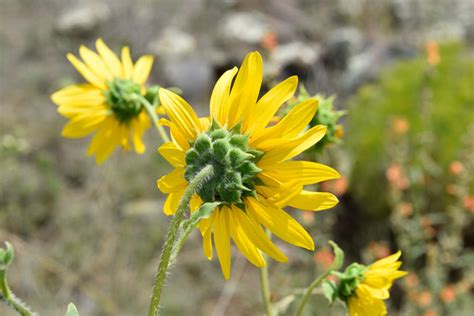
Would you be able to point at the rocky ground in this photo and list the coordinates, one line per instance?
(82, 232)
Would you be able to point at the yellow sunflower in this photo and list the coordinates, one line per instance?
(373, 287)
(107, 104)
(254, 177)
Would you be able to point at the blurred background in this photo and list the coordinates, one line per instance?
(402, 69)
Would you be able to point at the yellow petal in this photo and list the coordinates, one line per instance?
(180, 113)
(173, 181)
(290, 126)
(71, 111)
(80, 94)
(244, 244)
(269, 104)
(245, 90)
(172, 202)
(385, 261)
(280, 195)
(206, 239)
(222, 240)
(178, 138)
(107, 141)
(172, 154)
(110, 59)
(142, 69)
(95, 63)
(83, 125)
(124, 137)
(99, 137)
(293, 147)
(305, 171)
(377, 293)
(280, 223)
(127, 63)
(377, 281)
(205, 123)
(219, 103)
(88, 74)
(139, 126)
(313, 201)
(256, 235)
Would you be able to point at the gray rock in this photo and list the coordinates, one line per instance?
(341, 45)
(368, 64)
(193, 74)
(293, 53)
(247, 27)
(82, 20)
(173, 42)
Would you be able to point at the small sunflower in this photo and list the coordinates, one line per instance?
(107, 104)
(254, 176)
(372, 285)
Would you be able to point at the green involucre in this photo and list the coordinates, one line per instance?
(349, 280)
(235, 169)
(121, 96)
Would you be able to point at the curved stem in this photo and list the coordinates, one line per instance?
(10, 299)
(154, 117)
(309, 292)
(265, 286)
(163, 265)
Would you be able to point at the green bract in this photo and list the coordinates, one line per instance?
(121, 96)
(348, 282)
(235, 170)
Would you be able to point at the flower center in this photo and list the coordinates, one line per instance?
(121, 96)
(235, 169)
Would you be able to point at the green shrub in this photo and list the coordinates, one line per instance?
(434, 103)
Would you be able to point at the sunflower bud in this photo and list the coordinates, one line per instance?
(235, 170)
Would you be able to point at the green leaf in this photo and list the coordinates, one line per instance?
(329, 291)
(204, 212)
(72, 310)
(338, 256)
(9, 254)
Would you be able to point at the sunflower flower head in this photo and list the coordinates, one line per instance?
(108, 104)
(364, 288)
(254, 177)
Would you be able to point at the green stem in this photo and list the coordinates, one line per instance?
(265, 286)
(154, 117)
(163, 265)
(309, 292)
(179, 245)
(10, 299)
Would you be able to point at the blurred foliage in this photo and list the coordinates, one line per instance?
(431, 104)
(26, 203)
(411, 140)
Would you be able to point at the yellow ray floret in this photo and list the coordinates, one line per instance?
(93, 107)
(254, 176)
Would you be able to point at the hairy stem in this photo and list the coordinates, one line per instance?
(309, 292)
(163, 265)
(10, 299)
(265, 286)
(154, 117)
